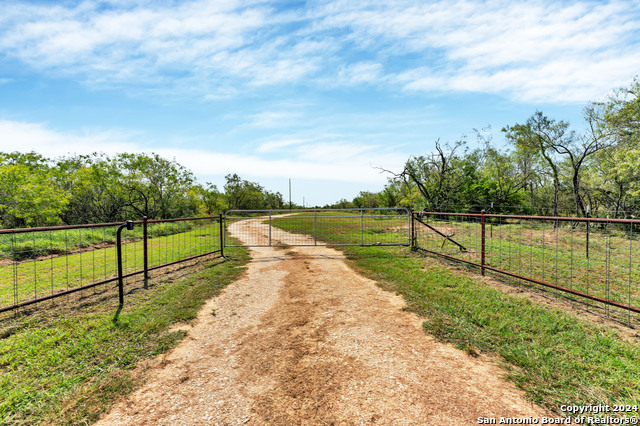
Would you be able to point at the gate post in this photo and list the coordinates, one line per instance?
(482, 242)
(412, 231)
(361, 227)
(269, 228)
(145, 251)
(588, 226)
(315, 227)
(223, 237)
(129, 225)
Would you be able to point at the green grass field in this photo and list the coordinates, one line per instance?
(337, 228)
(557, 255)
(555, 356)
(68, 365)
(94, 259)
(31, 245)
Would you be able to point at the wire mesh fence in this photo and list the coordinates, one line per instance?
(320, 227)
(38, 264)
(594, 259)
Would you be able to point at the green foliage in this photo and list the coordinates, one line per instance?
(212, 201)
(107, 189)
(241, 194)
(69, 367)
(545, 168)
(36, 191)
(619, 120)
(25, 198)
(367, 199)
(342, 204)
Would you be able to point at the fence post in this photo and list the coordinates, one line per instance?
(269, 228)
(222, 239)
(315, 227)
(361, 227)
(145, 251)
(482, 242)
(412, 231)
(129, 226)
(588, 226)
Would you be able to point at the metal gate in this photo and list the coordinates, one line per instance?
(318, 227)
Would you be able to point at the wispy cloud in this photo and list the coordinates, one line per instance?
(151, 44)
(543, 51)
(320, 161)
(361, 73)
(38, 137)
(531, 51)
(279, 145)
(272, 119)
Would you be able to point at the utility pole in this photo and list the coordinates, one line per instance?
(289, 193)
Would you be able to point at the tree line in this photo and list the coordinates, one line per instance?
(545, 168)
(38, 191)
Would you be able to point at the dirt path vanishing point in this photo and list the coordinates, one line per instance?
(303, 339)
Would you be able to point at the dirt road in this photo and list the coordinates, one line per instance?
(303, 339)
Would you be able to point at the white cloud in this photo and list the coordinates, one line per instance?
(352, 169)
(134, 43)
(543, 51)
(273, 119)
(531, 51)
(26, 137)
(318, 161)
(361, 72)
(278, 145)
(336, 151)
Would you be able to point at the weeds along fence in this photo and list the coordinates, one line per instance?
(38, 264)
(596, 260)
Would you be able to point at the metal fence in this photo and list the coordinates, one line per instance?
(320, 227)
(595, 259)
(38, 264)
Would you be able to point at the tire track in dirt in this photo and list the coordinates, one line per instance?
(307, 375)
(303, 339)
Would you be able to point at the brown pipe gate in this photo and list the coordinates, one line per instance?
(319, 227)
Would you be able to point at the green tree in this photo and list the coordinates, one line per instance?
(617, 120)
(155, 187)
(242, 194)
(541, 135)
(366, 199)
(29, 193)
(442, 178)
(211, 199)
(500, 182)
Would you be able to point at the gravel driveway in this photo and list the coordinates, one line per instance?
(303, 339)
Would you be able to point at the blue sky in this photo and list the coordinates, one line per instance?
(321, 92)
